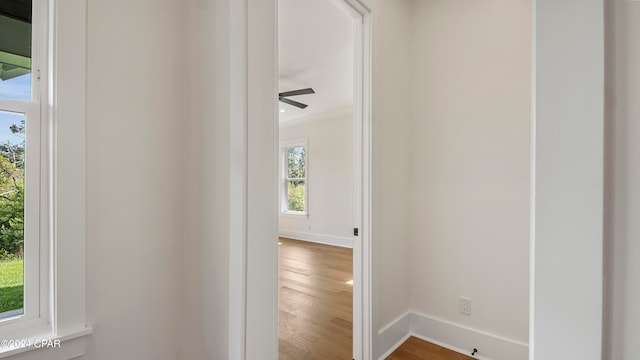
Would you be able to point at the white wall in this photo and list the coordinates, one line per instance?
(622, 229)
(159, 161)
(391, 157)
(329, 182)
(134, 151)
(146, 120)
(470, 150)
(261, 180)
(221, 193)
(204, 239)
(156, 235)
(568, 191)
(163, 233)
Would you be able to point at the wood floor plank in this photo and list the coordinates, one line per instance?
(316, 303)
(416, 349)
(316, 310)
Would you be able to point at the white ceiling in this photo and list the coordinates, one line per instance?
(315, 50)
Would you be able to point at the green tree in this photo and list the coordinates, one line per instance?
(12, 194)
(296, 169)
(296, 196)
(14, 153)
(11, 208)
(17, 128)
(296, 162)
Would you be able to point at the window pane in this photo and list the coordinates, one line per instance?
(295, 195)
(15, 50)
(12, 146)
(296, 162)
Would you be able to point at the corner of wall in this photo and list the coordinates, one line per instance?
(464, 339)
(391, 336)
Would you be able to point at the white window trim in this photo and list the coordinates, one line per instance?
(64, 260)
(32, 308)
(35, 216)
(284, 145)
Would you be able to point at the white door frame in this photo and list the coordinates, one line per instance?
(253, 250)
(253, 303)
(362, 311)
(362, 314)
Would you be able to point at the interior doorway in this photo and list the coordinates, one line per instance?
(324, 177)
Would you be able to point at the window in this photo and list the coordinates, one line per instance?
(20, 165)
(42, 166)
(294, 179)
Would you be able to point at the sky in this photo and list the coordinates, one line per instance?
(18, 88)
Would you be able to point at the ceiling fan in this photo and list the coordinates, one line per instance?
(284, 95)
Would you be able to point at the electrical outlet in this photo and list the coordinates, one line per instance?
(464, 306)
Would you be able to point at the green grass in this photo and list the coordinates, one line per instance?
(11, 285)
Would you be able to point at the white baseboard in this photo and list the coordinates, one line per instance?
(317, 238)
(392, 336)
(463, 339)
(449, 335)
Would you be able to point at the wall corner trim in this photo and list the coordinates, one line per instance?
(449, 335)
(391, 336)
(459, 338)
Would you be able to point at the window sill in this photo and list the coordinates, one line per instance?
(296, 215)
(43, 346)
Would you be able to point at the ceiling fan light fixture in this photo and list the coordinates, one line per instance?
(283, 97)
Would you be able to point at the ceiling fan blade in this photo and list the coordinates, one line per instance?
(297, 92)
(294, 103)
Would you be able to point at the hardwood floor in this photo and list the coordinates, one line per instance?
(416, 349)
(315, 307)
(315, 304)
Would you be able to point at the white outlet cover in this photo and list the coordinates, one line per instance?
(464, 306)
